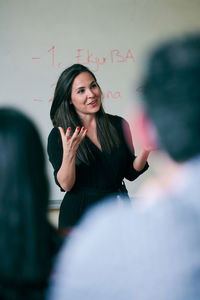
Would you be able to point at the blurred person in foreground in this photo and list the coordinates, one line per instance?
(28, 243)
(152, 251)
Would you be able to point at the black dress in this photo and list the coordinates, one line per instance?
(100, 179)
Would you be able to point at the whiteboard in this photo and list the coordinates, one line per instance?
(40, 38)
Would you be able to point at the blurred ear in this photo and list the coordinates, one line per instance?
(145, 132)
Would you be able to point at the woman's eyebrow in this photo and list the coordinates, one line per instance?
(92, 82)
(82, 87)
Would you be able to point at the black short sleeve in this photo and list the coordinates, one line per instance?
(55, 151)
(127, 147)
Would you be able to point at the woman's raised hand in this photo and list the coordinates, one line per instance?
(72, 142)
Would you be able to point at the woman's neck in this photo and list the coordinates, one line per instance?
(89, 120)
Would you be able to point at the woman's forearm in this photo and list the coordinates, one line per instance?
(140, 161)
(66, 175)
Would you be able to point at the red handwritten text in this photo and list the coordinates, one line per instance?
(86, 57)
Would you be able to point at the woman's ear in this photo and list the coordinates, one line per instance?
(145, 132)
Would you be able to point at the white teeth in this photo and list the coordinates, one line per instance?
(93, 102)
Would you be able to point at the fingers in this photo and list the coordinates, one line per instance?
(68, 132)
(62, 133)
(83, 132)
(71, 142)
(77, 133)
(80, 133)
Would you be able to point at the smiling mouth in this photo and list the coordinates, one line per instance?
(93, 102)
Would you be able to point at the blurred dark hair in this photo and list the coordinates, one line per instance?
(171, 93)
(24, 192)
(63, 113)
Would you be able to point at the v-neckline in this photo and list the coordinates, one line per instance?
(94, 144)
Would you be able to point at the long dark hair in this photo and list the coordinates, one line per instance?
(24, 192)
(64, 114)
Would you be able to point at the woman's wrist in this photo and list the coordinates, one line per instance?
(69, 155)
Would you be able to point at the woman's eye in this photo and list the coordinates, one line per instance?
(80, 91)
(93, 85)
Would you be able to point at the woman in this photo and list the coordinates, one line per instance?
(87, 147)
(28, 243)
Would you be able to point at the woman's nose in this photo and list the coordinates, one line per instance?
(90, 93)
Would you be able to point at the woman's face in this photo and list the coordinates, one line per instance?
(86, 94)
